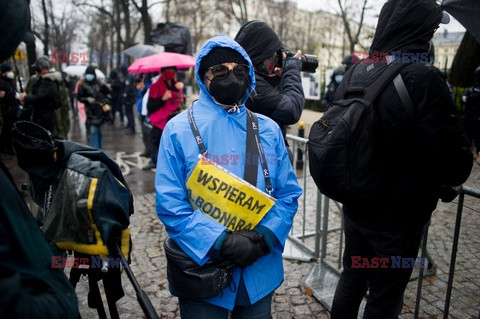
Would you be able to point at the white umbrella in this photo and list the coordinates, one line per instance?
(79, 70)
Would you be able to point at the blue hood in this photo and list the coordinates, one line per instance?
(225, 42)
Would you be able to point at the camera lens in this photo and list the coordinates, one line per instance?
(309, 63)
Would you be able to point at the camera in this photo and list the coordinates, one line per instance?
(309, 61)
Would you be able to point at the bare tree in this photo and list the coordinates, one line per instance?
(282, 15)
(63, 30)
(120, 25)
(98, 41)
(146, 19)
(56, 29)
(353, 15)
(46, 29)
(199, 16)
(237, 9)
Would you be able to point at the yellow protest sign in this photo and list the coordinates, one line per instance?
(229, 200)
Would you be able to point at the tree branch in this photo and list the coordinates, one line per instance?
(362, 16)
(99, 8)
(135, 4)
(154, 4)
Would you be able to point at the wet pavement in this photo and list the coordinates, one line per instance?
(291, 299)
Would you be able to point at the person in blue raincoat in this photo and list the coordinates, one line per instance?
(220, 116)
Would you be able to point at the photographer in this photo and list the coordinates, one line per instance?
(279, 93)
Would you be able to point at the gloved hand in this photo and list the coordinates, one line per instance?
(243, 247)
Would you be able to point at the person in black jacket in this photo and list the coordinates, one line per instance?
(9, 107)
(40, 106)
(279, 92)
(116, 85)
(129, 95)
(332, 87)
(424, 156)
(96, 97)
(471, 99)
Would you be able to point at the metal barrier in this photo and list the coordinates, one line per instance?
(311, 233)
(296, 246)
(463, 190)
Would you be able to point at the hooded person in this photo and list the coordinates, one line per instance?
(413, 174)
(164, 98)
(279, 92)
(96, 96)
(226, 79)
(332, 87)
(44, 99)
(30, 286)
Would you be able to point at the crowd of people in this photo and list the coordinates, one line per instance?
(250, 90)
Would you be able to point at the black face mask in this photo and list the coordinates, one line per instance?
(274, 80)
(228, 90)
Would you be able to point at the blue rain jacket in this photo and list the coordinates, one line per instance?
(224, 135)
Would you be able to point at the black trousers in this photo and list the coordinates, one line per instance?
(364, 248)
(128, 108)
(472, 128)
(146, 127)
(155, 135)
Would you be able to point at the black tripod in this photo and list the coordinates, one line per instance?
(113, 287)
(111, 279)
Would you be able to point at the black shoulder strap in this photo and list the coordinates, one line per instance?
(252, 122)
(372, 91)
(251, 155)
(404, 96)
(196, 133)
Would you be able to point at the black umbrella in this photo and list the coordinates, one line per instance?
(141, 51)
(466, 12)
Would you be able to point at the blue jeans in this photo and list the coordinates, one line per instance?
(190, 309)
(96, 136)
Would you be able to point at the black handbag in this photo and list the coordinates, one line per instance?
(189, 280)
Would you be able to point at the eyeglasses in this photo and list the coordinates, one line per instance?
(221, 71)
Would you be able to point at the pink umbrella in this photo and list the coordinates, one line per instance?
(154, 63)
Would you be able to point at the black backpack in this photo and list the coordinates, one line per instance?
(343, 157)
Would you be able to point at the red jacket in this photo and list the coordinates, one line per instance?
(160, 110)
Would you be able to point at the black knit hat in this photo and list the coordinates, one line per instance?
(219, 55)
(90, 70)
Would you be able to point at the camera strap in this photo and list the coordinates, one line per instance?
(254, 149)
